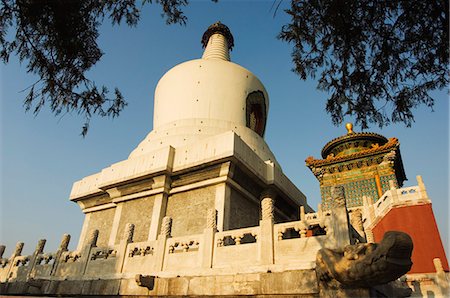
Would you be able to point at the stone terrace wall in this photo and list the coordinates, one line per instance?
(267, 247)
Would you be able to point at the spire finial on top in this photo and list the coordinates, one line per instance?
(217, 41)
(219, 28)
(349, 127)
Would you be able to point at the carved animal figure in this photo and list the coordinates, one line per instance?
(367, 264)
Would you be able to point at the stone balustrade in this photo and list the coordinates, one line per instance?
(268, 245)
(19, 267)
(140, 249)
(237, 237)
(140, 257)
(394, 197)
(184, 244)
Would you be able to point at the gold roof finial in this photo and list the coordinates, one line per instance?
(349, 127)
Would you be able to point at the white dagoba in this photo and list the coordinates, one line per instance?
(206, 151)
(209, 96)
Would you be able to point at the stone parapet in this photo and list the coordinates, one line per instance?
(211, 254)
(395, 197)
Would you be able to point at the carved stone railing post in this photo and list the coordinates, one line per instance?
(17, 250)
(265, 240)
(166, 227)
(40, 246)
(128, 234)
(166, 231)
(207, 246)
(63, 247)
(340, 220)
(35, 257)
(357, 224)
(93, 237)
(211, 219)
(357, 221)
(10, 263)
(86, 251)
(338, 197)
(64, 244)
(267, 208)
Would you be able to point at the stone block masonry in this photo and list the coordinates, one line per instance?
(211, 262)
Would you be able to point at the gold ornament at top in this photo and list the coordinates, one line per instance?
(349, 127)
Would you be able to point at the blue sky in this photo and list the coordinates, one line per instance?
(42, 156)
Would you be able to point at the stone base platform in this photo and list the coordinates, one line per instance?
(298, 283)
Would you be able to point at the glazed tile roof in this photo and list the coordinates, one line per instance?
(352, 136)
(391, 144)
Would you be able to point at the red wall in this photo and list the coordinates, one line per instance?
(418, 221)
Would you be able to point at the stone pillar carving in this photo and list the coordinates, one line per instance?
(2, 250)
(211, 219)
(166, 226)
(267, 208)
(356, 220)
(208, 238)
(64, 244)
(18, 249)
(164, 233)
(92, 242)
(265, 239)
(35, 259)
(40, 246)
(121, 251)
(340, 223)
(338, 196)
(129, 233)
(63, 247)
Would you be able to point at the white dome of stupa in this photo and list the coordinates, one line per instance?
(209, 96)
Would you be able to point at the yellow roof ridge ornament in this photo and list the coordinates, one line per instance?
(349, 127)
